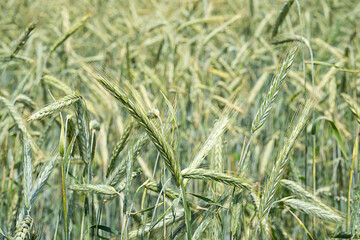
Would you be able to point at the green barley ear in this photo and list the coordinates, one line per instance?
(23, 228)
(27, 176)
(153, 186)
(273, 181)
(119, 172)
(137, 111)
(273, 91)
(313, 210)
(54, 107)
(26, 101)
(70, 32)
(120, 145)
(353, 105)
(83, 126)
(301, 192)
(94, 188)
(20, 123)
(23, 39)
(213, 138)
(217, 177)
(139, 114)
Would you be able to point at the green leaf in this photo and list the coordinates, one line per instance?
(208, 200)
(106, 229)
(338, 138)
(336, 134)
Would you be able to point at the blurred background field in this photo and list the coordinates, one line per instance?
(194, 144)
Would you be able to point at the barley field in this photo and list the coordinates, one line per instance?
(179, 119)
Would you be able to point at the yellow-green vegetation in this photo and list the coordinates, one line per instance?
(191, 119)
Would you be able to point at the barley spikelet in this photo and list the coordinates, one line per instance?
(45, 131)
(139, 114)
(23, 39)
(119, 172)
(58, 84)
(313, 210)
(20, 123)
(153, 186)
(202, 227)
(273, 91)
(216, 133)
(217, 177)
(94, 188)
(119, 147)
(273, 181)
(54, 107)
(83, 127)
(41, 180)
(70, 32)
(353, 105)
(27, 176)
(210, 216)
(28, 102)
(169, 219)
(23, 228)
(301, 192)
